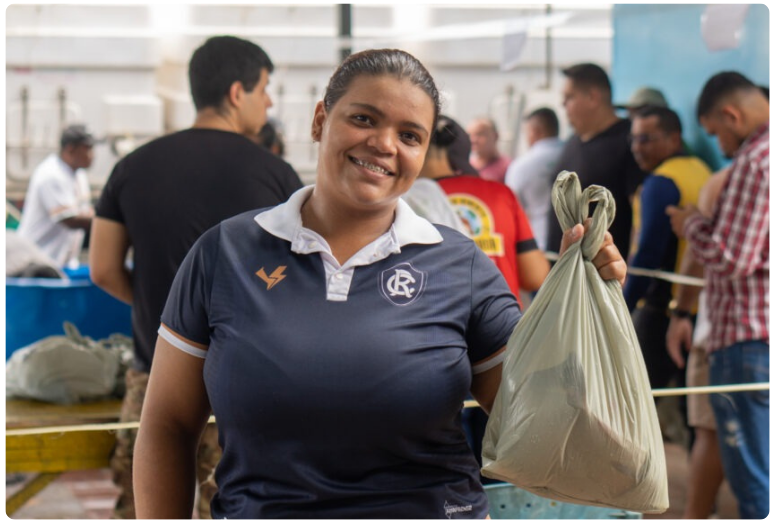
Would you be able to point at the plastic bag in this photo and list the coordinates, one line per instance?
(574, 419)
(68, 369)
(24, 259)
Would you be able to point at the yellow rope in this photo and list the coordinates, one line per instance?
(639, 271)
(684, 391)
(678, 391)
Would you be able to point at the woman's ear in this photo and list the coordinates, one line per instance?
(318, 120)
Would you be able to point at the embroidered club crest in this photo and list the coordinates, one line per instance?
(402, 284)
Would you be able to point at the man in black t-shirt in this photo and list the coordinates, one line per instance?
(599, 151)
(163, 196)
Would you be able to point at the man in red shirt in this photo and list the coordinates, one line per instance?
(495, 221)
(492, 214)
(733, 245)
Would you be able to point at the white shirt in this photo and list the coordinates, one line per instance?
(428, 200)
(530, 177)
(55, 193)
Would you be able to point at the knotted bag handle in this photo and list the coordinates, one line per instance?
(572, 207)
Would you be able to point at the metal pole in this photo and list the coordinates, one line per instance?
(345, 31)
(548, 50)
(62, 97)
(25, 96)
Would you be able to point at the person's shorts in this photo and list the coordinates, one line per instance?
(699, 412)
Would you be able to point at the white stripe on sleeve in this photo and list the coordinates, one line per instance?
(489, 364)
(182, 345)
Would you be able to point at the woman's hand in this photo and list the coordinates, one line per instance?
(608, 261)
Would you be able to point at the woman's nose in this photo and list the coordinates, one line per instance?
(383, 140)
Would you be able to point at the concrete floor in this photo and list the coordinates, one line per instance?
(91, 494)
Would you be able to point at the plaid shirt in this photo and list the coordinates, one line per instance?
(734, 246)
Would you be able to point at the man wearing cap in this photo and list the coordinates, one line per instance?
(642, 97)
(57, 209)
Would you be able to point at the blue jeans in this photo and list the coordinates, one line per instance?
(743, 420)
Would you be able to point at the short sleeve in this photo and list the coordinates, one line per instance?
(187, 310)
(525, 240)
(494, 312)
(108, 204)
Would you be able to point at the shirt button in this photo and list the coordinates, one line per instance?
(313, 245)
(338, 276)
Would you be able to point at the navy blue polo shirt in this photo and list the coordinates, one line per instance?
(338, 389)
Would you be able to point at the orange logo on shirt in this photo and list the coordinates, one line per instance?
(273, 279)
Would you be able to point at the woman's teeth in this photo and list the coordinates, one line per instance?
(372, 167)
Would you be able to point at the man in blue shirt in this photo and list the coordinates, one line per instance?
(531, 175)
(674, 179)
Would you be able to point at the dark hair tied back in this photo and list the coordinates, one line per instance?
(444, 134)
(377, 62)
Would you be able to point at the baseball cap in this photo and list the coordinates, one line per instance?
(450, 136)
(645, 96)
(76, 134)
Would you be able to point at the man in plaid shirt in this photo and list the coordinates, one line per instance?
(734, 247)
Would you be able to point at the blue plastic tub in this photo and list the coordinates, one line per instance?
(37, 307)
(510, 502)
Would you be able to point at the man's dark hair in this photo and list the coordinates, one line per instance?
(667, 119)
(720, 86)
(547, 119)
(269, 137)
(221, 61)
(588, 75)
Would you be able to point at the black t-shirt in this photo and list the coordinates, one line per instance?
(170, 191)
(604, 160)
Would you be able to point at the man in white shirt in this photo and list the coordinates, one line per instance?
(57, 209)
(531, 175)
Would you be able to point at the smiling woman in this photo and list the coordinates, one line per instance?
(334, 336)
(372, 148)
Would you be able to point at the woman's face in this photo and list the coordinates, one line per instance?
(372, 142)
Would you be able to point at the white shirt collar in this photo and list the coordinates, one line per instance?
(551, 141)
(284, 221)
(63, 164)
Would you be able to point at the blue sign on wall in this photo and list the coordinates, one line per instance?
(661, 46)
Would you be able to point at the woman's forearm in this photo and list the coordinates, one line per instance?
(164, 472)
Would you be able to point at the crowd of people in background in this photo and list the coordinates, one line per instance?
(672, 214)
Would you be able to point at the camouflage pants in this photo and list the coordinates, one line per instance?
(208, 453)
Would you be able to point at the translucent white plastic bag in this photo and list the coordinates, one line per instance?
(68, 369)
(574, 419)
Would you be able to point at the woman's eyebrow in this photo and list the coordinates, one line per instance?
(381, 114)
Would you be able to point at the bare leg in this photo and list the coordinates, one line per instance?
(705, 475)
